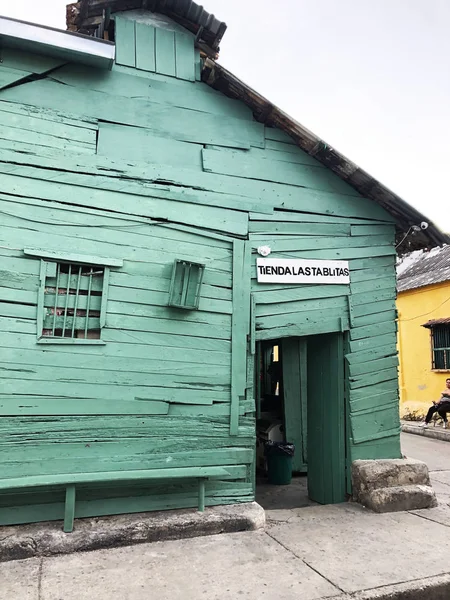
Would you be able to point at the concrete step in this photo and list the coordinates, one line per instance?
(373, 474)
(400, 497)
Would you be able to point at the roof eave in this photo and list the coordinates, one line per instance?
(47, 41)
(264, 111)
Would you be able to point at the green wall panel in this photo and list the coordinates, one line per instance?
(144, 165)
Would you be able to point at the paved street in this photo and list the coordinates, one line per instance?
(437, 456)
(309, 553)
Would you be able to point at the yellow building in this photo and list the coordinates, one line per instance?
(423, 303)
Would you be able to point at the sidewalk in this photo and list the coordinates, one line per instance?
(341, 552)
(434, 432)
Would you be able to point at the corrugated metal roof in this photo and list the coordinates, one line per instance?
(423, 268)
(87, 14)
(435, 322)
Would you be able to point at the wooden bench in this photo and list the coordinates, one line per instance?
(70, 482)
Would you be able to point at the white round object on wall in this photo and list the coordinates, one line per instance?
(264, 250)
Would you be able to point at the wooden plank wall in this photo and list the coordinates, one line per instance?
(154, 49)
(147, 167)
(366, 308)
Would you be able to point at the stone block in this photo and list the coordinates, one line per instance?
(368, 475)
(398, 498)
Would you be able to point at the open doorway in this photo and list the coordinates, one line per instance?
(299, 384)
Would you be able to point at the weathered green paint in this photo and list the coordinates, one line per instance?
(294, 360)
(131, 169)
(69, 510)
(326, 419)
(145, 47)
(239, 328)
(126, 42)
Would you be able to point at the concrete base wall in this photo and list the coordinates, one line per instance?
(48, 539)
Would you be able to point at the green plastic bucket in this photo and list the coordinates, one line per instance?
(279, 468)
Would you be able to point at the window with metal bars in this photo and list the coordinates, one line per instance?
(440, 341)
(72, 302)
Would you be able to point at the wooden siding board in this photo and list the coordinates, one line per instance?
(73, 428)
(124, 350)
(273, 294)
(137, 144)
(304, 308)
(240, 324)
(153, 207)
(123, 456)
(386, 375)
(368, 401)
(280, 216)
(171, 375)
(51, 213)
(139, 184)
(145, 47)
(165, 52)
(125, 42)
(242, 164)
(31, 359)
(304, 329)
(161, 284)
(171, 122)
(29, 122)
(381, 317)
(294, 244)
(32, 406)
(335, 253)
(373, 230)
(171, 92)
(52, 141)
(304, 228)
(378, 449)
(372, 354)
(13, 58)
(53, 117)
(9, 76)
(163, 313)
(184, 56)
(272, 133)
(295, 319)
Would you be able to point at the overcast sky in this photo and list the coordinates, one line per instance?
(369, 77)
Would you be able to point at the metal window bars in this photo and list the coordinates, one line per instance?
(441, 347)
(73, 302)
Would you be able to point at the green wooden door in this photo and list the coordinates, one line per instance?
(326, 419)
(293, 355)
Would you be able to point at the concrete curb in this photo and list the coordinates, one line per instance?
(48, 539)
(429, 432)
(430, 588)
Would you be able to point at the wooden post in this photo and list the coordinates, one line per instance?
(69, 511)
(201, 495)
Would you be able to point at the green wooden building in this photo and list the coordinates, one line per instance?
(182, 266)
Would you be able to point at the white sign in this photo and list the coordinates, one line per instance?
(285, 270)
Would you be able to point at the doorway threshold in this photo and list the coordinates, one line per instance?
(279, 500)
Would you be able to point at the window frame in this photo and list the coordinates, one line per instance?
(444, 350)
(49, 259)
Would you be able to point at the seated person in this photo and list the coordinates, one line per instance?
(442, 406)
